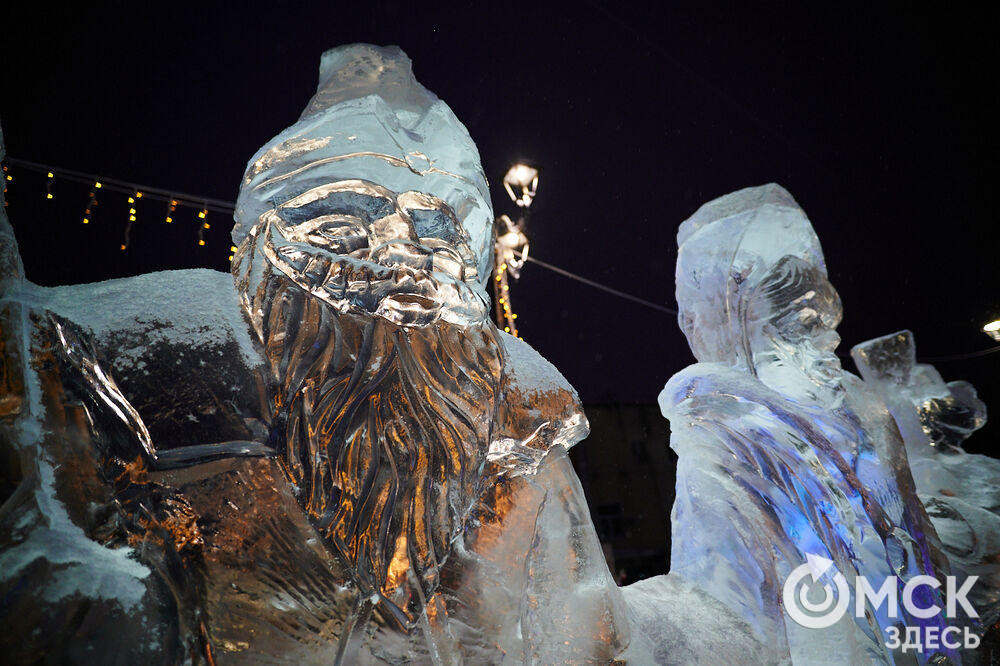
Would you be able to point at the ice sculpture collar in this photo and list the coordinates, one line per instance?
(744, 258)
(370, 116)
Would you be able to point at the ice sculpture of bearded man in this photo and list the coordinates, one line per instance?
(784, 456)
(380, 476)
(426, 447)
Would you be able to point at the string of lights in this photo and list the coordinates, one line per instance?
(134, 192)
(131, 217)
(510, 244)
(202, 214)
(506, 318)
(92, 204)
(127, 187)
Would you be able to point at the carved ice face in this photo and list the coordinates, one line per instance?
(354, 244)
(797, 311)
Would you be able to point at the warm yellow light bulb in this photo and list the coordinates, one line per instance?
(51, 175)
(98, 185)
(123, 247)
(232, 248)
(48, 196)
(86, 221)
(169, 219)
(207, 225)
(201, 242)
(131, 218)
(131, 200)
(138, 195)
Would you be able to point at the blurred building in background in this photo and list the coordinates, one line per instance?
(627, 470)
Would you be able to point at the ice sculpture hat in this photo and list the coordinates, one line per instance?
(371, 119)
(724, 250)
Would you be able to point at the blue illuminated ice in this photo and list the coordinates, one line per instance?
(782, 454)
(961, 491)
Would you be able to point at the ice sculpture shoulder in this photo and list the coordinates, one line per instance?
(782, 454)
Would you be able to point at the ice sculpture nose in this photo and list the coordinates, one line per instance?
(828, 340)
(390, 228)
(403, 252)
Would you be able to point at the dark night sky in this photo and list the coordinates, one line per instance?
(881, 122)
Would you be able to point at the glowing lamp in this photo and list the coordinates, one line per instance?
(521, 182)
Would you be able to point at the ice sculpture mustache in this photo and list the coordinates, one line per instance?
(384, 429)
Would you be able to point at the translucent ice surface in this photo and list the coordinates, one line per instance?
(426, 448)
(782, 454)
(961, 491)
(341, 460)
(390, 170)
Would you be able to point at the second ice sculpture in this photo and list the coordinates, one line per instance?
(961, 491)
(782, 454)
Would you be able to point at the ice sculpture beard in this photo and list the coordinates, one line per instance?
(796, 331)
(385, 377)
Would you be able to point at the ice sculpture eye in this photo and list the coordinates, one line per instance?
(355, 198)
(433, 224)
(431, 217)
